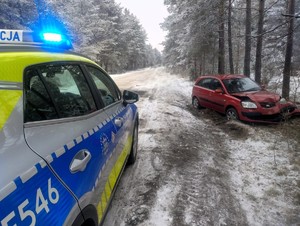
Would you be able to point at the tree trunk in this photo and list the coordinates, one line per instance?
(238, 51)
(203, 68)
(213, 68)
(260, 26)
(247, 39)
(289, 52)
(231, 67)
(106, 66)
(221, 55)
(195, 75)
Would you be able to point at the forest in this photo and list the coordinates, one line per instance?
(258, 38)
(100, 29)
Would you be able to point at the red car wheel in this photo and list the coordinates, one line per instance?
(195, 103)
(232, 114)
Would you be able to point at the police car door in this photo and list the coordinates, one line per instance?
(64, 126)
(121, 116)
(30, 194)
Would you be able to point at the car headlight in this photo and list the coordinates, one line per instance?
(248, 104)
(282, 101)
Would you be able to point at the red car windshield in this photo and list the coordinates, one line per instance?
(239, 85)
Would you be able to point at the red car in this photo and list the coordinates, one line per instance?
(240, 98)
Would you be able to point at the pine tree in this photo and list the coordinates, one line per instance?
(289, 51)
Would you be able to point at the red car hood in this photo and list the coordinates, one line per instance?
(260, 96)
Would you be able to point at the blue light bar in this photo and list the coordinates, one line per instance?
(52, 37)
(42, 38)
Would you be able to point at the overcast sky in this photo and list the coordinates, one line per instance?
(150, 13)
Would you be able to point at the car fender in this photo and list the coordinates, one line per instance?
(235, 103)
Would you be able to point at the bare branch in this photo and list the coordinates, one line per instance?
(271, 30)
(289, 15)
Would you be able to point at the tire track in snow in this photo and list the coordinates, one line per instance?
(179, 171)
(195, 152)
(205, 197)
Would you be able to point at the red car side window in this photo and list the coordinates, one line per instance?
(205, 83)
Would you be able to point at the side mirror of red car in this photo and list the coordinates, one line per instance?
(219, 90)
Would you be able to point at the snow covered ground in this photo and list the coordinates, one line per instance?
(196, 168)
(275, 85)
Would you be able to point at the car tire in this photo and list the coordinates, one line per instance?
(134, 146)
(195, 103)
(232, 114)
(88, 217)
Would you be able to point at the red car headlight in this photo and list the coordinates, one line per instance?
(249, 105)
(282, 101)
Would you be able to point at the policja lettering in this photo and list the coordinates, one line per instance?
(9, 36)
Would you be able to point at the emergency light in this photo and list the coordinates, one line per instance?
(52, 37)
(43, 39)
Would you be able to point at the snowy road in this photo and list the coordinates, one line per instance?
(195, 168)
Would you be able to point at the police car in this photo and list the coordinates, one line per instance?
(66, 133)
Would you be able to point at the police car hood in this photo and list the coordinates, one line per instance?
(259, 96)
(16, 157)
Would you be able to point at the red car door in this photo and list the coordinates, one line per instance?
(202, 92)
(217, 98)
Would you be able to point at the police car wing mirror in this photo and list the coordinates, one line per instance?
(130, 97)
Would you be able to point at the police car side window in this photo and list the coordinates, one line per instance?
(107, 89)
(67, 91)
(75, 98)
(38, 104)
